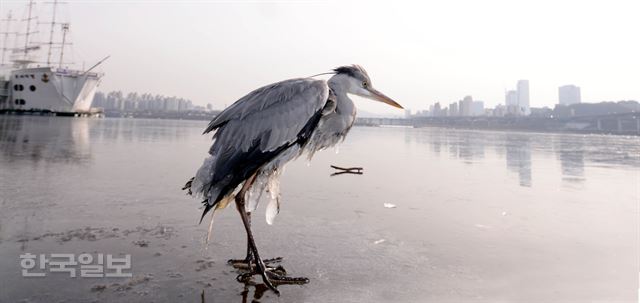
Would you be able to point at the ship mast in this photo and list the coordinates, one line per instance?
(26, 35)
(25, 60)
(65, 29)
(53, 23)
(5, 40)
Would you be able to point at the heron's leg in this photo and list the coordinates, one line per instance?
(269, 276)
(259, 265)
(249, 256)
(246, 262)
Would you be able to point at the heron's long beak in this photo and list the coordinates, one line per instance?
(378, 96)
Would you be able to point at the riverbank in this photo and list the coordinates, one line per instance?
(616, 124)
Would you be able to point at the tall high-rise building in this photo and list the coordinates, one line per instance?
(437, 110)
(523, 96)
(517, 101)
(464, 106)
(569, 94)
(453, 109)
(477, 108)
(511, 98)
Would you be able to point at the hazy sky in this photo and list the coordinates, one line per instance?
(416, 52)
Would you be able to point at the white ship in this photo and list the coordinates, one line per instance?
(30, 84)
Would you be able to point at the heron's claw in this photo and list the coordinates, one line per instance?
(271, 277)
(244, 263)
(278, 279)
(277, 276)
(276, 269)
(346, 170)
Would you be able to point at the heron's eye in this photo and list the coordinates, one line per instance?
(364, 84)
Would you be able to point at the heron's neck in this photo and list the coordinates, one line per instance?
(338, 88)
(344, 103)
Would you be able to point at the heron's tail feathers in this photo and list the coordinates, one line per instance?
(207, 208)
(210, 230)
(220, 204)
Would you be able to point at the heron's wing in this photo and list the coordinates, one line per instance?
(255, 130)
(272, 115)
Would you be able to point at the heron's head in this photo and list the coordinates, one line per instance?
(355, 80)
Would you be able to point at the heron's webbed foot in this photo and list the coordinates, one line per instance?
(346, 170)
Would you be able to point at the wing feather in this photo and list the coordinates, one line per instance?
(256, 129)
(273, 114)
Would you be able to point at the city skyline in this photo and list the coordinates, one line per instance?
(569, 94)
(420, 53)
(569, 91)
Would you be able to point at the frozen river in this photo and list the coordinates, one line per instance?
(479, 216)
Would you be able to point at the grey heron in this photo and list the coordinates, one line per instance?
(258, 134)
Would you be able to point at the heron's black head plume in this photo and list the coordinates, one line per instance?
(355, 71)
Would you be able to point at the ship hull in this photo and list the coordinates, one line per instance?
(52, 90)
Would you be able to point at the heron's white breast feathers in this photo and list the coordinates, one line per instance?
(268, 179)
(273, 208)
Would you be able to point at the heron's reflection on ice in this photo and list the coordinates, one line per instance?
(248, 277)
(259, 290)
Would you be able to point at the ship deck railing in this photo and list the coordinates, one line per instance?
(74, 73)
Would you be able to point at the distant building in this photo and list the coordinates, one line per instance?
(511, 98)
(477, 108)
(499, 111)
(134, 102)
(209, 106)
(569, 94)
(511, 103)
(595, 109)
(453, 109)
(517, 101)
(171, 104)
(523, 96)
(543, 112)
(464, 106)
(421, 113)
(437, 110)
(407, 113)
(130, 104)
